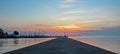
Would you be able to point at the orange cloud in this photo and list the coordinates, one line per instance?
(113, 24)
(64, 28)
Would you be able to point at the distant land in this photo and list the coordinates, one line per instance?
(105, 31)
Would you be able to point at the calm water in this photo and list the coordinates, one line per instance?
(111, 43)
(12, 44)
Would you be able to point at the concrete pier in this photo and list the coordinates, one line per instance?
(61, 45)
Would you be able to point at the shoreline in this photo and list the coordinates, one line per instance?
(7, 37)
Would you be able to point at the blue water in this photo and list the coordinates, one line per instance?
(111, 43)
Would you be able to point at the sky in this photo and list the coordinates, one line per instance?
(60, 15)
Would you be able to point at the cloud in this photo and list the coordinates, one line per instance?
(68, 28)
(103, 31)
(91, 21)
(113, 24)
(84, 11)
(68, 17)
(67, 3)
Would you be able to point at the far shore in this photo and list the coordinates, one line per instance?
(4, 37)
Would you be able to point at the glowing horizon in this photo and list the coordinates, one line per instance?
(59, 15)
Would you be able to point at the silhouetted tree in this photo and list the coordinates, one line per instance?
(6, 34)
(15, 33)
(1, 32)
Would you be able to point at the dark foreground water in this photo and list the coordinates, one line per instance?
(12, 44)
(111, 43)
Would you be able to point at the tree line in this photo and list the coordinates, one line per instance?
(5, 34)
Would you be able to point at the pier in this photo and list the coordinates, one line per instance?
(61, 45)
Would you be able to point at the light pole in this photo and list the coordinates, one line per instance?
(64, 32)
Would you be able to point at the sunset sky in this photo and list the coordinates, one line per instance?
(70, 15)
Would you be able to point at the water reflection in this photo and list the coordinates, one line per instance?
(16, 43)
(1, 43)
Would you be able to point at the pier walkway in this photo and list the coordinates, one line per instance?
(61, 45)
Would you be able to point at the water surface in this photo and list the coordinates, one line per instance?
(13, 44)
(111, 43)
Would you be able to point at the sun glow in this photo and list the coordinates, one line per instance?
(68, 27)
